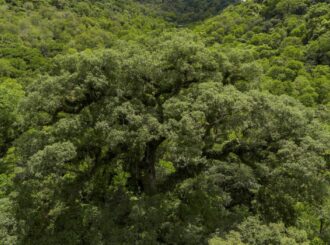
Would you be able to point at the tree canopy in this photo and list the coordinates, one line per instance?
(164, 122)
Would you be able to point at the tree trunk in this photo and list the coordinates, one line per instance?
(147, 167)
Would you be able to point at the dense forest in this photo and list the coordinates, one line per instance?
(149, 122)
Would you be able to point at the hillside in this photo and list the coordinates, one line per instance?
(164, 122)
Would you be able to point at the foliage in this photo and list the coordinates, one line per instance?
(119, 125)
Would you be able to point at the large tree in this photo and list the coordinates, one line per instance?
(145, 145)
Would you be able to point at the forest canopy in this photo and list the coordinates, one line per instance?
(165, 122)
